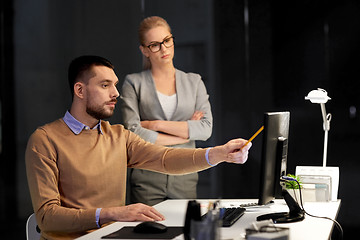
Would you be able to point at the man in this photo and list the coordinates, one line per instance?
(76, 166)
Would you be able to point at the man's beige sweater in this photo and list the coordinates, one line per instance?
(70, 176)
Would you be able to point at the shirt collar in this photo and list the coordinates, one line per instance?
(77, 126)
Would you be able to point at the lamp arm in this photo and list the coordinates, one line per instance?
(326, 119)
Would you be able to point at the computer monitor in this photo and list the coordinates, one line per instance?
(273, 167)
(274, 155)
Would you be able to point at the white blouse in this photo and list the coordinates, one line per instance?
(168, 104)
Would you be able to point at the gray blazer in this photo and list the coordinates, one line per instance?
(139, 101)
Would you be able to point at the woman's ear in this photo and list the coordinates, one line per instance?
(144, 51)
(79, 90)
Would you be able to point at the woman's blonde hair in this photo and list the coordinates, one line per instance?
(145, 25)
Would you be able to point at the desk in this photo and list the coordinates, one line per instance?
(310, 228)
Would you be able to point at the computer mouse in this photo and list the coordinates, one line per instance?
(150, 227)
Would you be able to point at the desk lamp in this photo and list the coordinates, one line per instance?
(320, 96)
(320, 175)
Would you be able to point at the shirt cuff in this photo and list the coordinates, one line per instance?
(97, 217)
(207, 156)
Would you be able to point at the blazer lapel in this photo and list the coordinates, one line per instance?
(152, 96)
(179, 94)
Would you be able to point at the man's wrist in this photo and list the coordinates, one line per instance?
(208, 157)
(97, 217)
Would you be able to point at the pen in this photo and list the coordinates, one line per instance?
(253, 136)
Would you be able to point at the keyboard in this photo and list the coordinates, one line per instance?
(250, 205)
(229, 215)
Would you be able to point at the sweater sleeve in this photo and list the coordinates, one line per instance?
(43, 176)
(174, 161)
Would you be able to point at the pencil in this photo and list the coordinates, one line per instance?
(253, 136)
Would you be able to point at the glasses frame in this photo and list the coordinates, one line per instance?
(161, 43)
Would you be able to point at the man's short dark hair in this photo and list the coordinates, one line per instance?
(83, 63)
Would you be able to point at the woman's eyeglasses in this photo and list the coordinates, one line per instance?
(156, 46)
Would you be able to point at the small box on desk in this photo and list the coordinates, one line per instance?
(316, 188)
(320, 184)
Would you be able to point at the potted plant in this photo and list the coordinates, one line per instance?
(293, 187)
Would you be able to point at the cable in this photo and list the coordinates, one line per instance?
(337, 224)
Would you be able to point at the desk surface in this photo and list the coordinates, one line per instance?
(310, 228)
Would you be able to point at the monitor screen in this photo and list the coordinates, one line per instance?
(274, 155)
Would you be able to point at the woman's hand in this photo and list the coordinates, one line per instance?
(198, 115)
(172, 128)
(149, 124)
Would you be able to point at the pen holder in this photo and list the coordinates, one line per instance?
(193, 213)
(208, 228)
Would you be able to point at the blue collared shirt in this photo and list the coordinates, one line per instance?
(77, 126)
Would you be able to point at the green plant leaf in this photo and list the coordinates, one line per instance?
(293, 184)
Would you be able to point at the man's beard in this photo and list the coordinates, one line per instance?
(98, 112)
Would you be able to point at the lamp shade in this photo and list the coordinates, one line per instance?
(318, 96)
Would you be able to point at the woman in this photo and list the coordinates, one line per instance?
(165, 106)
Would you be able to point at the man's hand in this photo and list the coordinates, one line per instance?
(231, 152)
(129, 213)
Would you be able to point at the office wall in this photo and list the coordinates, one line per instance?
(316, 45)
(243, 35)
(254, 56)
(293, 48)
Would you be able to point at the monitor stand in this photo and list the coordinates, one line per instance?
(296, 214)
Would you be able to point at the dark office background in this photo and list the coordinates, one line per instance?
(254, 56)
